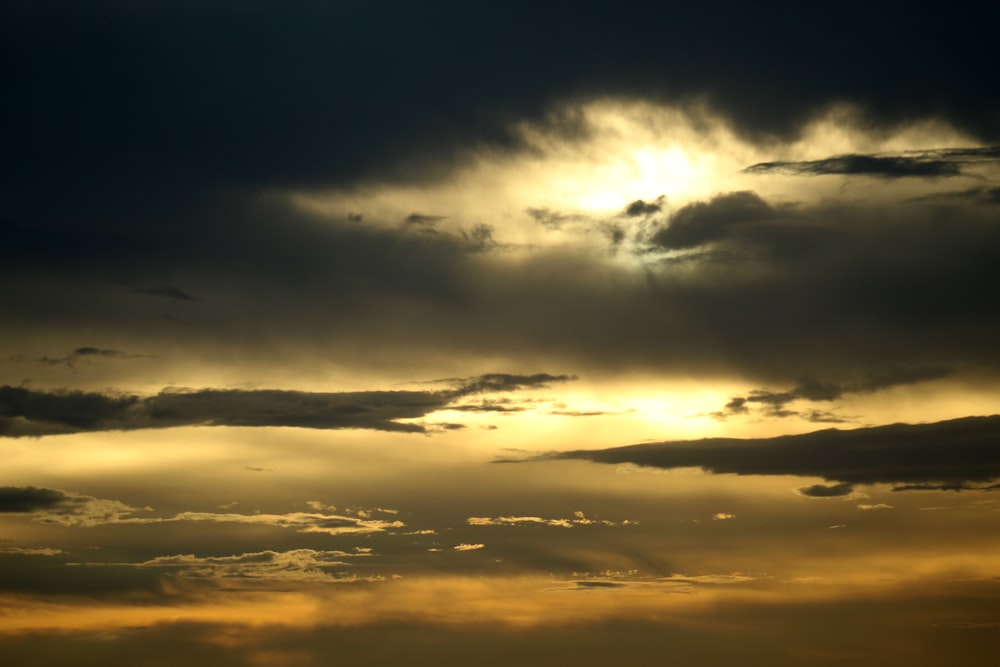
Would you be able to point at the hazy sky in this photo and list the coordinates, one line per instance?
(524, 333)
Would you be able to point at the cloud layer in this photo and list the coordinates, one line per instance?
(953, 454)
(27, 412)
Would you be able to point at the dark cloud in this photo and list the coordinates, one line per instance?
(827, 490)
(937, 163)
(296, 112)
(493, 382)
(877, 284)
(421, 219)
(552, 219)
(480, 238)
(978, 195)
(702, 222)
(615, 235)
(26, 412)
(24, 499)
(811, 389)
(640, 208)
(90, 353)
(600, 584)
(147, 143)
(956, 454)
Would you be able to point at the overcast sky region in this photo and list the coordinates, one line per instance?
(537, 333)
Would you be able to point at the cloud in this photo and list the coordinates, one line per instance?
(977, 195)
(827, 490)
(879, 283)
(293, 565)
(578, 519)
(495, 382)
(872, 507)
(421, 219)
(21, 499)
(553, 219)
(26, 412)
(938, 163)
(640, 208)
(52, 506)
(302, 522)
(89, 354)
(955, 454)
(30, 551)
(468, 547)
(811, 389)
(702, 222)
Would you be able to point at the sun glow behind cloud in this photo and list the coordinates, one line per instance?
(619, 152)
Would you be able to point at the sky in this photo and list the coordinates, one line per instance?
(525, 333)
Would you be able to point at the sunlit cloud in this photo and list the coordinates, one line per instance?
(300, 565)
(578, 519)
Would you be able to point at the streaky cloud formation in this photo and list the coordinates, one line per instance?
(940, 163)
(810, 389)
(953, 454)
(293, 565)
(26, 412)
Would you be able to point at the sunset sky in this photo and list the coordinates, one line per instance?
(520, 333)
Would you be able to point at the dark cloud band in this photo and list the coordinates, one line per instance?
(28, 412)
(948, 454)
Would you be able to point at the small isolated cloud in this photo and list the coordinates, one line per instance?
(468, 547)
(826, 490)
(877, 506)
(640, 208)
(723, 516)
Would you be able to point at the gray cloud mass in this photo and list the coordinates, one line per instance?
(26, 412)
(953, 454)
